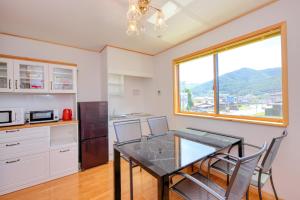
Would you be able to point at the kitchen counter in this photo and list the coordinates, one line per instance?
(58, 123)
(141, 116)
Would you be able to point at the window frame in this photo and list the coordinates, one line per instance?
(241, 40)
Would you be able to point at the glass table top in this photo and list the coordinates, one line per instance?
(170, 152)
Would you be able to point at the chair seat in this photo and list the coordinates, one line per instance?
(190, 190)
(228, 168)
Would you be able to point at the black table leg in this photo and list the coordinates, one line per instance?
(117, 175)
(241, 148)
(163, 188)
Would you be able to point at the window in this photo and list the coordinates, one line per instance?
(241, 80)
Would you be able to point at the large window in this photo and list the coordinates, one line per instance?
(244, 79)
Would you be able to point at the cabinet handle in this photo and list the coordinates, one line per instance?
(12, 131)
(9, 84)
(12, 161)
(13, 144)
(16, 84)
(63, 151)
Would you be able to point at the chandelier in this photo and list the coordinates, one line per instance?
(136, 11)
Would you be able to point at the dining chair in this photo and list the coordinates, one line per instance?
(158, 125)
(198, 186)
(263, 171)
(128, 131)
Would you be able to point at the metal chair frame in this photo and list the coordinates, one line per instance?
(237, 165)
(260, 168)
(131, 163)
(156, 118)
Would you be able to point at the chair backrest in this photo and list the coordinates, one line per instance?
(272, 152)
(158, 125)
(242, 174)
(128, 130)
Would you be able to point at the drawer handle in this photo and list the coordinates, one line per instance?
(12, 131)
(14, 144)
(63, 151)
(13, 161)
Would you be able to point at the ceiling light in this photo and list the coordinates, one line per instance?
(136, 10)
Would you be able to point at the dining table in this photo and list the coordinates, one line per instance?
(165, 154)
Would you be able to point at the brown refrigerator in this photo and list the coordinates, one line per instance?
(93, 133)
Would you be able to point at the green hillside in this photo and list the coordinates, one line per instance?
(242, 82)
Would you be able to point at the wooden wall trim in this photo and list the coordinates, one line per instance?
(37, 60)
(47, 41)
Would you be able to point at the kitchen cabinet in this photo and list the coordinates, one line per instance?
(23, 76)
(6, 75)
(30, 77)
(17, 172)
(63, 79)
(29, 156)
(63, 161)
(24, 158)
(129, 63)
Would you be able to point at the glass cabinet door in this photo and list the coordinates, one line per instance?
(31, 77)
(63, 79)
(6, 75)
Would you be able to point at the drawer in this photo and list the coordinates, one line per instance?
(24, 170)
(25, 133)
(23, 147)
(63, 161)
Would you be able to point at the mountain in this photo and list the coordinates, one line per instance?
(242, 82)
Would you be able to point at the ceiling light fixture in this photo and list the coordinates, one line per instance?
(136, 10)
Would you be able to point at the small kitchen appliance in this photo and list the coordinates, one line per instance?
(67, 114)
(11, 116)
(39, 116)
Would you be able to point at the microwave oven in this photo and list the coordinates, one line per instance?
(11, 116)
(40, 116)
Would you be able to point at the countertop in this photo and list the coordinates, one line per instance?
(58, 123)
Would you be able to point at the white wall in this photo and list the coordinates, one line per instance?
(135, 98)
(286, 166)
(138, 70)
(89, 74)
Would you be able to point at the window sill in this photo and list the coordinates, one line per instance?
(279, 123)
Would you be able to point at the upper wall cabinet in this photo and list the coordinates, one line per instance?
(24, 76)
(63, 79)
(30, 77)
(129, 63)
(6, 75)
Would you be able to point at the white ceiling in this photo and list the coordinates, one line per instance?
(92, 24)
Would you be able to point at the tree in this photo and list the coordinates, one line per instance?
(190, 103)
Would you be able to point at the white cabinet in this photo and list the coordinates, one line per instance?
(24, 158)
(63, 150)
(19, 172)
(30, 77)
(63, 161)
(34, 155)
(129, 63)
(36, 77)
(6, 75)
(63, 79)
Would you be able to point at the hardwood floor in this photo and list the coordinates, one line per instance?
(94, 184)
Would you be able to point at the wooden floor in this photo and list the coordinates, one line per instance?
(96, 183)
